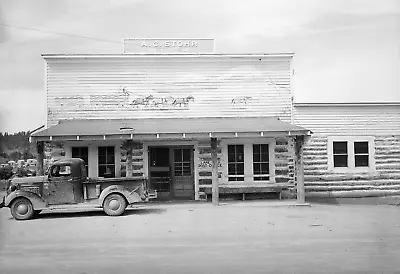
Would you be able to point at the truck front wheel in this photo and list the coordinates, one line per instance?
(22, 209)
(114, 205)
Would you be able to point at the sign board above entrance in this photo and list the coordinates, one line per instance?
(163, 45)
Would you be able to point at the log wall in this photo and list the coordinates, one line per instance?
(383, 181)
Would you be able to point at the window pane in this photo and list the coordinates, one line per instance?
(256, 168)
(231, 157)
(265, 168)
(240, 149)
(340, 148)
(102, 170)
(178, 155)
(361, 160)
(65, 170)
(231, 169)
(102, 159)
(231, 149)
(186, 155)
(240, 169)
(361, 147)
(239, 157)
(264, 149)
(340, 160)
(265, 178)
(236, 179)
(110, 159)
(256, 157)
(102, 150)
(264, 157)
(110, 150)
(75, 152)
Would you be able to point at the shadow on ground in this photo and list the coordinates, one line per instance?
(385, 200)
(82, 214)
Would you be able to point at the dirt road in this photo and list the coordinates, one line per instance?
(249, 237)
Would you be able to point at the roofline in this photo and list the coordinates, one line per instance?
(347, 104)
(132, 55)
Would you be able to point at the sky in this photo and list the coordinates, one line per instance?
(345, 50)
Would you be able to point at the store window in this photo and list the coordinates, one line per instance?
(235, 163)
(351, 154)
(261, 162)
(82, 153)
(106, 161)
(249, 162)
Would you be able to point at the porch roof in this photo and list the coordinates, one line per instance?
(169, 128)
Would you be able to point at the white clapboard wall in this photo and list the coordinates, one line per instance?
(349, 119)
(142, 86)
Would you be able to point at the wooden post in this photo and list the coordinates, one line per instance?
(129, 166)
(215, 186)
(40, 157)
(299, 146)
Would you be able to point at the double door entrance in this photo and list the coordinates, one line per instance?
(171, 171)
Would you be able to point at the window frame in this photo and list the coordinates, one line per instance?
(351, 168)
(236, 176)
(114, 173)
(248, 159)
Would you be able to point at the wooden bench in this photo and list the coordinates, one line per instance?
(232, 189)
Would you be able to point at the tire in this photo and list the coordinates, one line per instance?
(22, 209)
(114, 204)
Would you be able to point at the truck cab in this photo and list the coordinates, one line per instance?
(66, 185)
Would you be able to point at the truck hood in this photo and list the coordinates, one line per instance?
(28, 180)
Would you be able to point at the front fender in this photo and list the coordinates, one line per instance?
(131, 196)
(36, 200)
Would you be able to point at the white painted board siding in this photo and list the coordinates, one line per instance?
(349, 120)
(154, 86)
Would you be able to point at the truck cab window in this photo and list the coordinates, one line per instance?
(60, 171)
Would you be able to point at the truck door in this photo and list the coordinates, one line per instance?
(60, 188)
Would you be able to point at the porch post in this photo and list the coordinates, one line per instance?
(129, 166)
(299, 146)
(40, 157)
(215, 186)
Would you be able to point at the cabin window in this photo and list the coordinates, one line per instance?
(82, 153)
(340, 156)
(361, 154)
(106, 162)
(235, 162)
(351, 154)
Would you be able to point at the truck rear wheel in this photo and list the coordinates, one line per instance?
(22, 209)
(114, 205)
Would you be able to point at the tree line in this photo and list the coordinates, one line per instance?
(15, 146)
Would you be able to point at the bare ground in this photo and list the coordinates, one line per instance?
(237, 237)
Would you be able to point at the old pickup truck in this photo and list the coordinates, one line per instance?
(66, 186)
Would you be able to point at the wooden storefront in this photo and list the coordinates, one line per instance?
(183, 121)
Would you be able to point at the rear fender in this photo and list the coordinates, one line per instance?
(130, 195)
(36, 200)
